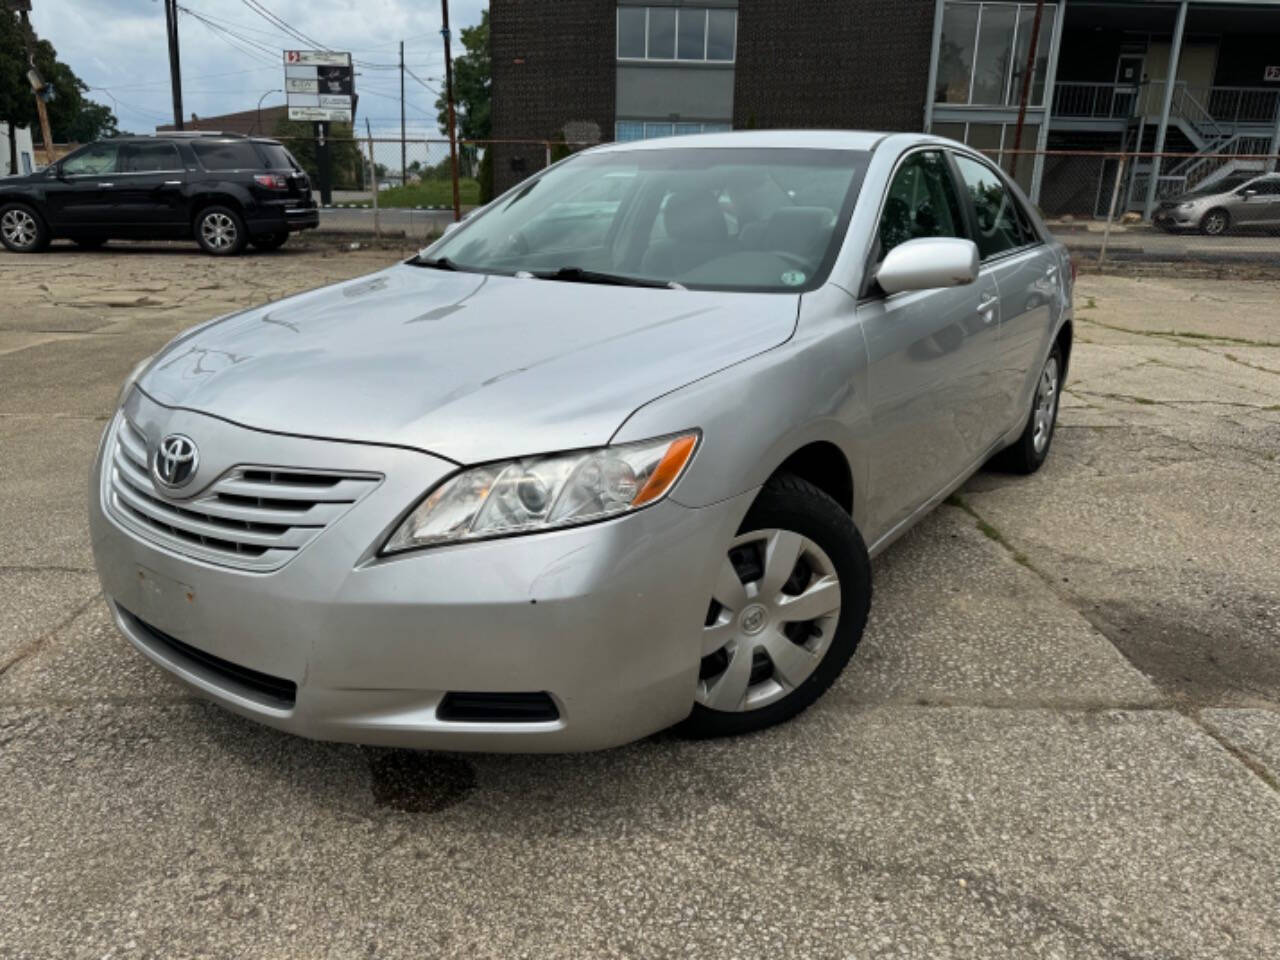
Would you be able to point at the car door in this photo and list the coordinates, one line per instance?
(86, 183)
(149, 189)
(930, 352)
(1256, 203)
(1025, 271)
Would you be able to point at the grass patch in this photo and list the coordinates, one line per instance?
(430, 193)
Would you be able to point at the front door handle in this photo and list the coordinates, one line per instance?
(101, 185)
(987, 308)
(173, 183)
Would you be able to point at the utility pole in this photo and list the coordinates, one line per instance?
(404, 174)
(453, 125)
(38, 86)
(175, 69)
(1026, 88)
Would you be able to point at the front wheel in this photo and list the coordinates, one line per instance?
(1215, 223)
(786, 614)
(220, 231)
(22, 230)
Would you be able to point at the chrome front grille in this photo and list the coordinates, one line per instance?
(252, 517)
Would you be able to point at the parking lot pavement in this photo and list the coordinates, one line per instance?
(1060, 738)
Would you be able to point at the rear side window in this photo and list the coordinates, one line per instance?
(276, 157)
(151, 157)
(921, 202)
(1001, 226)
(234, 155)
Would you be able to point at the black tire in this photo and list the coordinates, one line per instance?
(1215, 223)
(790, 504)
(89, 243)
(22, 229)
(1026, 454)
(220, 231)
(269, 241)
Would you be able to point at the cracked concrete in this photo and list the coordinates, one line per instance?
(1059, 738)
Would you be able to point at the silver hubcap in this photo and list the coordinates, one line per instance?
(1215, 223)
(1046, 405)
(18, 228)
(218, 230)
(766, 634)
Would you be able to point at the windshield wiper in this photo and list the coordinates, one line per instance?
(439, 263)
(578, 275)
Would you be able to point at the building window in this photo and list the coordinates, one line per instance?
(624, 130)
(693, 34)
(996, 141)
(982, 55)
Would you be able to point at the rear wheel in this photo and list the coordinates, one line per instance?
(220, 231)
(786, 614)
(1215, 222)
(22, 229)
(269, 241)
(1029, 451)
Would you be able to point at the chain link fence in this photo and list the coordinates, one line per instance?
(1216, 211)
(418, 174)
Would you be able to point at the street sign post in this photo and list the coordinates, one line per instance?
(319, 86)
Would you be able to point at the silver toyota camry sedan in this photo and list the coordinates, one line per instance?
(613, 455)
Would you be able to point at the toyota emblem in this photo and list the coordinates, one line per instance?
(175, 461)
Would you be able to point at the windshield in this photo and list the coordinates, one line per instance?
(1225, 185)
(715, 218)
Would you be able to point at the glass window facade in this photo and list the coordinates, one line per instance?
(982, 54)
(677, 33)
(624, 130)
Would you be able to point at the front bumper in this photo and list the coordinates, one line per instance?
(605, 618)
(1175, 219)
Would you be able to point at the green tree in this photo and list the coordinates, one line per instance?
(72, 117)
(345, 162)
(472, 95)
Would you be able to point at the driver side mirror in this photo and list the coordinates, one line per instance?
(1248, 194)
(929, 263)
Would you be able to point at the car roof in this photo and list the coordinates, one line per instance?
(802, 139)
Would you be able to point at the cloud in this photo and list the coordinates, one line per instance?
(119, 48)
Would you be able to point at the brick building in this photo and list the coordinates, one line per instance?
(1198, 78)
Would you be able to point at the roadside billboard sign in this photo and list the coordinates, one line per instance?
(319, 85)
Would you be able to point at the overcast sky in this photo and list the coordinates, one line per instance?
(118, 46)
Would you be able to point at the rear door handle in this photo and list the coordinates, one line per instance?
(101, 185)
(1051, 273)
(173, 183)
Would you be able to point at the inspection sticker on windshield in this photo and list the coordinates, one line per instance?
(793, 278)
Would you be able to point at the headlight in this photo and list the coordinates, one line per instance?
(130, 380)
(546, 493)
(1186, 206)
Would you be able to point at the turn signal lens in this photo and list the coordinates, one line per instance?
(546, 493)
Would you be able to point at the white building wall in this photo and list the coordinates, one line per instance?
(26, 153)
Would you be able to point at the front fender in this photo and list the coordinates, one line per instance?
(755, 414)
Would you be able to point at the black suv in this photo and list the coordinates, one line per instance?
(226, 190)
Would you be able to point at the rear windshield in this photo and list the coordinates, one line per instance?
(276, 157)
(760, 219)
(226, 155)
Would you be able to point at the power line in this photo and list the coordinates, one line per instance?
(271, 18)
(246, 45)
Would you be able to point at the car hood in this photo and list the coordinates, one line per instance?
(467, 366)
